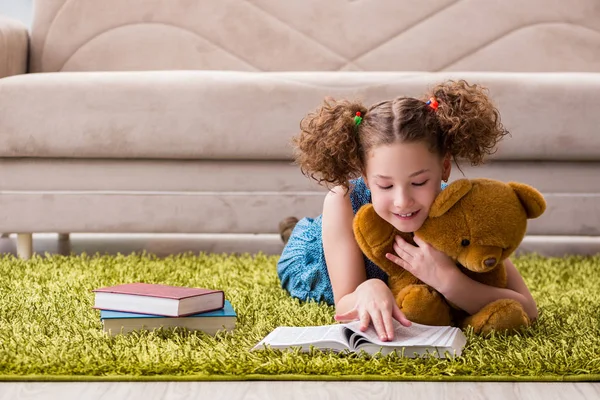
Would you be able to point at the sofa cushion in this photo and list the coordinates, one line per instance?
(245, 115)
(14, 47)
(299, 35)
(135, 175)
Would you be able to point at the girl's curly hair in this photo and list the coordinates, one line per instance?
(331, 149)
(469, 121)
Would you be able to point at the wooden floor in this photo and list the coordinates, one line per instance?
(298, 390)
(159, 244)
(168, 244)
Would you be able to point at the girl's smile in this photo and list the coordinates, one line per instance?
(407, 216)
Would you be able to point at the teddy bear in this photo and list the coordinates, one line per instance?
(478, 223)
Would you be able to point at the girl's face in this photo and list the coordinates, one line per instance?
(404, 179)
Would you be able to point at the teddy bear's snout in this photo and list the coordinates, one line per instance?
(481, 258)
(490, 262)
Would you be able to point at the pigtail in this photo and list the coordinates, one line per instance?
(328, 146)
(470, 123)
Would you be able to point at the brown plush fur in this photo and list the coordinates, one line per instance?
(492, 216)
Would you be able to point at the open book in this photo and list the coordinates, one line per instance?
(413, 341)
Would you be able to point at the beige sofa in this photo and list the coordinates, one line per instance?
(176, 117)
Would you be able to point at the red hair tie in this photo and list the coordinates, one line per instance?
(433, 103)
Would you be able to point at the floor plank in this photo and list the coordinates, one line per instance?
(160, 244)
(298, 390)
(166, 244)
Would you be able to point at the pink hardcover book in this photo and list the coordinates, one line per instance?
(149, 298)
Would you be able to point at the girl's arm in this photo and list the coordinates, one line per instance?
(343, 257)
(472, 296)
(437, 270)
(355, 297)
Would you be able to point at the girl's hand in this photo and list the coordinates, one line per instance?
(429, 265)
(375, 303)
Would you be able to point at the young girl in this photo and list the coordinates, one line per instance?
(394, 154)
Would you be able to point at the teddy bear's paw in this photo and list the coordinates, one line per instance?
(424, 305)
(505, 315)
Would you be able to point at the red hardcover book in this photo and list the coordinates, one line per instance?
(149, 298)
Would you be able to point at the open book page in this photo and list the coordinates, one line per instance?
(328, 336)
(410, 341)
(456, 342)
(414, 341)
(415, 335)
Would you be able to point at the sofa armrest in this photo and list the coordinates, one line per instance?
(14, 47)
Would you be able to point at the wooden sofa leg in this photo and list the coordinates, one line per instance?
(63, 236)
(24, 245)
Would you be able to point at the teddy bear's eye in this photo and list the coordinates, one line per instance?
(465, 242)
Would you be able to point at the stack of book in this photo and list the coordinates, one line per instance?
(145, 306)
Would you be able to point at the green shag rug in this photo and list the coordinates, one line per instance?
(49, 331)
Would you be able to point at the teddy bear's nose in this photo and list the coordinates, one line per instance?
(490, 262)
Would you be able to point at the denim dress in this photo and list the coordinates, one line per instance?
(301, 267)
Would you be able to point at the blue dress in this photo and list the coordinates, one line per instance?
(301, 267)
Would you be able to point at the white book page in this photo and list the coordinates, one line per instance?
(457, 340)
(452, 344)
(285, 336)
(448, 339)
(133, 303)
(416, 334)
(431, 338)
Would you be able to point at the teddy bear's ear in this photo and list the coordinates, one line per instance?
(532, 200)
(449, 197)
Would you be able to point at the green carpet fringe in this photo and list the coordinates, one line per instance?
(293, 377)
(49, 332)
